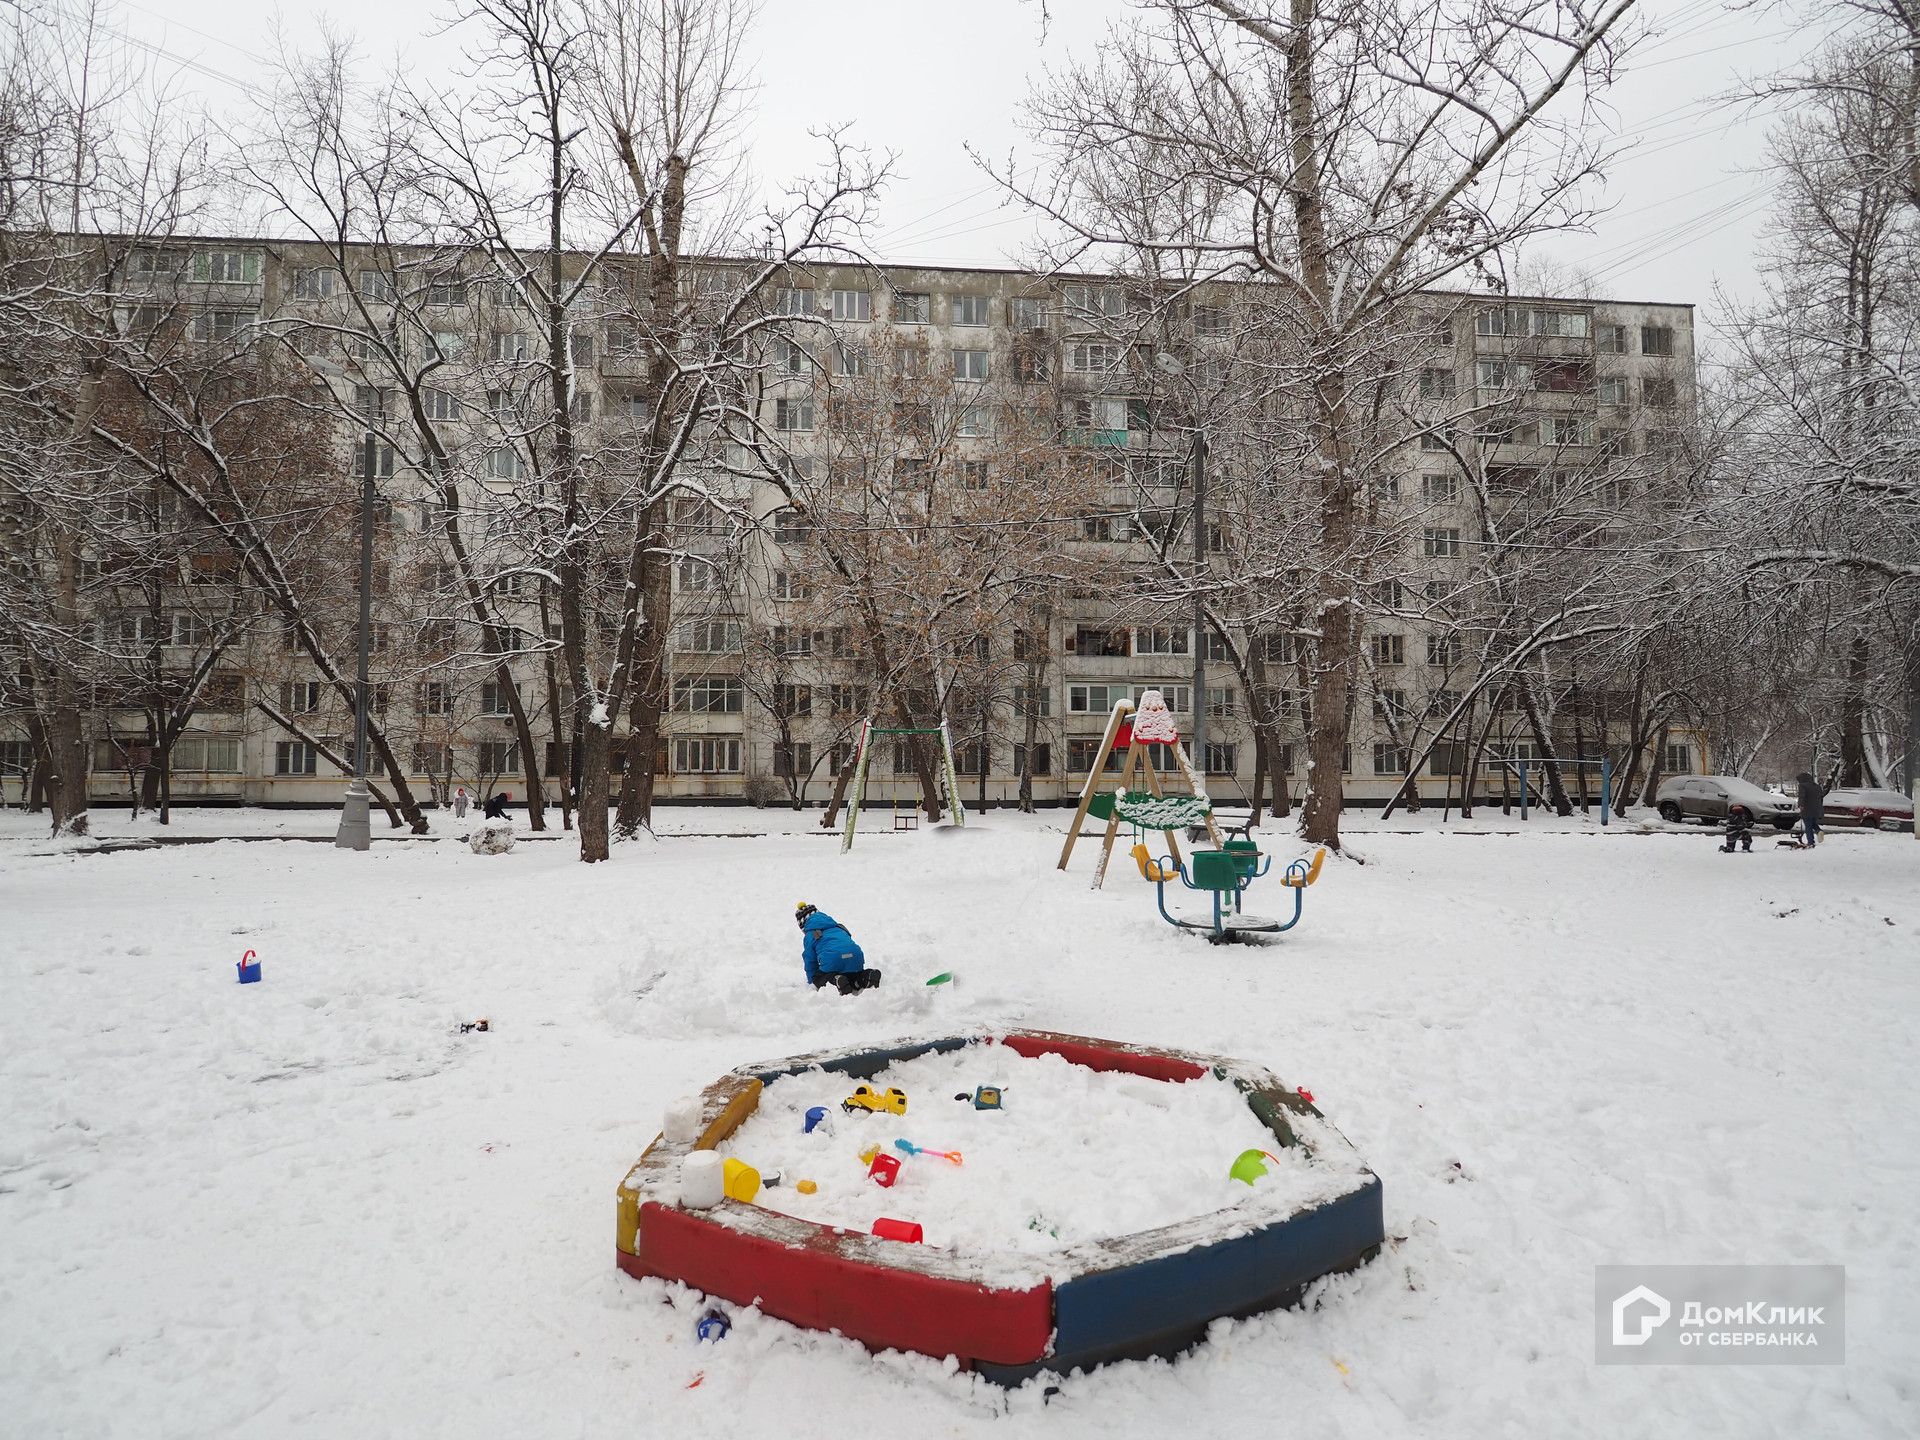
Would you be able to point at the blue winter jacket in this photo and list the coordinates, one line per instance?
(828, 949)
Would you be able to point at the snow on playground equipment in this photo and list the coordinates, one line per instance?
(910, 818)
(1146, 809)
(1126, 1297)
(1224, 873)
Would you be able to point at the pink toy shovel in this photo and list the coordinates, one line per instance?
(913, 1149)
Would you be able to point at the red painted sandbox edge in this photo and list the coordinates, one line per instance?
(822, 1289)
(1094, 1056)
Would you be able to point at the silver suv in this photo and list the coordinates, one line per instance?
(1708, 798)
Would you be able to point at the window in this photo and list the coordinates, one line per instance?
(1612, 340)
(450, 344)
(845, 700)
(1096, 699)
(708, 637)
(1162, 640)
(792, 762)
(1678, 759)
(190, 629)
(294, 757)
(496, 699)
(1613, 390)
(440, 404)
(370, 401)
(970, 310)
(300, 697)
(912, 308)
(1389, 649)
(1436, 383)
(1567, 430)
(1441, 542)
(973, 474)
(509, 347)
(1027, 312)
(909, 361)
(1388, 703)
(1388, 594)
(793, 414)
(970, 364)
(1042, 759)
(432, 760)
(498, 757)
(1088, 357)
(855, 360)
(1092, 642)
(504, 463)
(436, 698)
(787, 585)
(1437, 489)
(1443, 650)
(375, 285)
(791, 358)
(1564, 324)
(709, 695)
(852, 305)
(227, 267)
(206, 754)
(1432, 440)
(1209, 320)
(976, 422)
(1660, 394)
(312, 284)
(1039, 700)
(1389, 758)
(793, 701)
(790, 527)
(138, 630)
(706, 755)
(1222, 759)
(1503, 375)
(225, 693)
(1095, 300)
(793, 641)
(446, 290)
(1656, 340)
(793, 302)
(1031, 364)
(1179, 698)
(1500, 320)
(580, 347)
(217, 325)
(1223, 702)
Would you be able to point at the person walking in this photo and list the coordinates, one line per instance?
(1739, 830)
(1812, 796)
(460, 803)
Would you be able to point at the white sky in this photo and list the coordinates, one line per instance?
(926, 79)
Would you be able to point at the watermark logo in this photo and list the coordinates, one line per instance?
(1652, 1310)
(1720, 1314)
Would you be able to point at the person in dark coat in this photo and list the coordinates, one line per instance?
(1740, 829)
(831, 955)
(497, 805)
(1813, 805)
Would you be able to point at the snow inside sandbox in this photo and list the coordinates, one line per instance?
(1074, 1155)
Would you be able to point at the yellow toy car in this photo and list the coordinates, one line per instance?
(865, 1097)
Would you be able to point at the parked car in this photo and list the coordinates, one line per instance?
(1869, 808)
(1707, 798)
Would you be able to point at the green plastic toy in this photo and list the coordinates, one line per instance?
(1250, 1165)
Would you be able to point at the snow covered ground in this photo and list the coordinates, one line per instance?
(312, 1207)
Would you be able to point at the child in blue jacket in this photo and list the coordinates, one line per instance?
(831, 955)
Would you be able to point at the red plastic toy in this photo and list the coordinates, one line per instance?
(884, 1170)
(908, 1230)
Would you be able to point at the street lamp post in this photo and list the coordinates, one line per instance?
(1197, 475)
(356, 831)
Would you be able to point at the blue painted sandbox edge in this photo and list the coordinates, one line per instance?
(1162, 1306)
(862, 1064)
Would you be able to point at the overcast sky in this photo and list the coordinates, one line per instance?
(927, 79)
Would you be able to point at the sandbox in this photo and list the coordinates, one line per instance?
(1010, 1312)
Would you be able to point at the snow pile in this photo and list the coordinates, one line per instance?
(493, 838)
(1075, 1155)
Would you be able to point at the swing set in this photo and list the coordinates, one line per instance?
(906, 814)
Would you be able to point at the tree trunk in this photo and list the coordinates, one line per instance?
(1556, 787)
(1853, 716)
(1655, 764)
(649, 698)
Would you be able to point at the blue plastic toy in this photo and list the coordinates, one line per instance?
(816, 1117)
(249, 973)
(713, 1326)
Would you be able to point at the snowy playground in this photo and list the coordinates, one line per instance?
(322, 1205)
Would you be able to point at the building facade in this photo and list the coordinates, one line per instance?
(767, 683)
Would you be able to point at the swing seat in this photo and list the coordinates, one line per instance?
(1151, 869)
(906, 819)
(1300, 874)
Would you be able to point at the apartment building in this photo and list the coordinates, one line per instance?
(767, 687)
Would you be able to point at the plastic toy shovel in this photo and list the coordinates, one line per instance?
(913, 1149)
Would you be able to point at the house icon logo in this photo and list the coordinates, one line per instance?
(1649, 1320)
